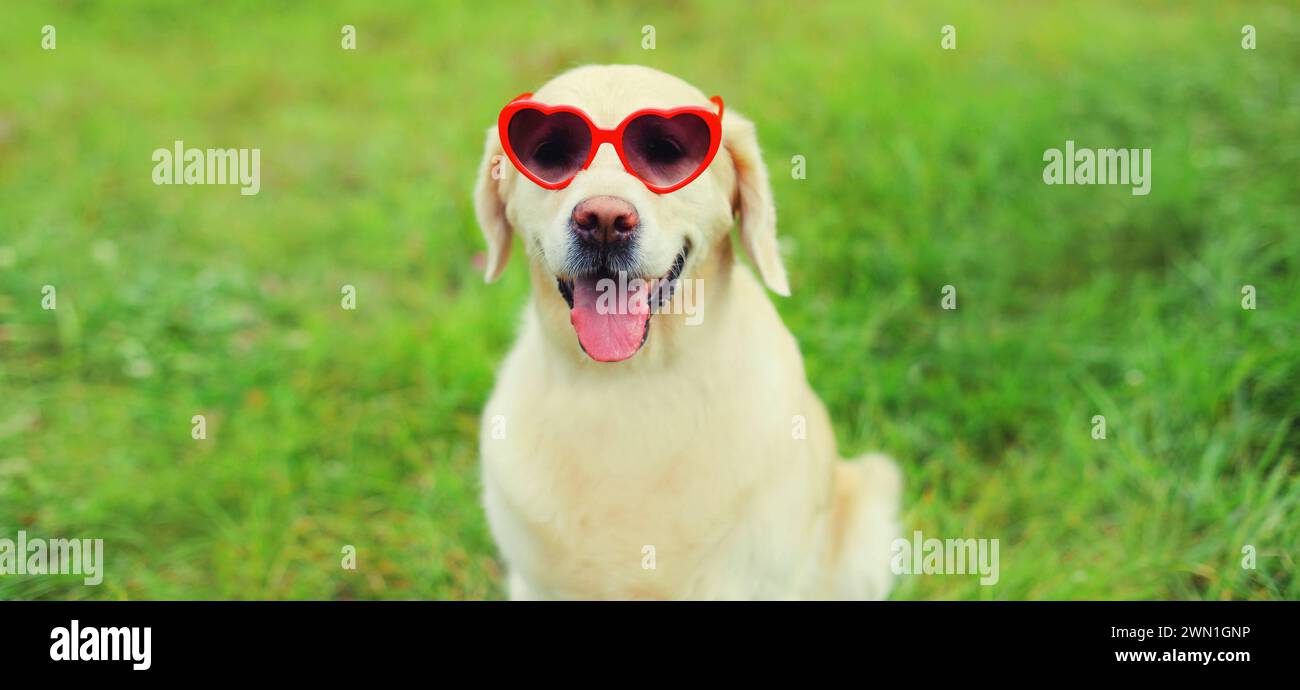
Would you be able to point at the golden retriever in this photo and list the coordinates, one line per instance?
(654, 453)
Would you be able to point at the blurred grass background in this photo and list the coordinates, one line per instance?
(329, 427)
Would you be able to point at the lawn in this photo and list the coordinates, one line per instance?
(329, 427)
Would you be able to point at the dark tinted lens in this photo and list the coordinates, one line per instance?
(552, 147)
(666, 151)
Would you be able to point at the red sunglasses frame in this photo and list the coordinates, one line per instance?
(613, 137)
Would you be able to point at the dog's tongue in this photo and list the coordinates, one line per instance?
(610, 316)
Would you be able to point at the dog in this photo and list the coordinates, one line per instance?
(633, 454)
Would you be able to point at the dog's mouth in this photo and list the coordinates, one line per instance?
(610, 311)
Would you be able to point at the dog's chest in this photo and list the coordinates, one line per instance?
(664, 486)
(633, 501)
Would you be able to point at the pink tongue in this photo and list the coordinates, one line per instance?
(610, 316)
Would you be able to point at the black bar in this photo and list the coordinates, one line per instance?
(325, 638)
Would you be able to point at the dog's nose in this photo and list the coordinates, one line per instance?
(605, 220)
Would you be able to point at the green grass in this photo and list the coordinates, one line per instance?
(330, 427)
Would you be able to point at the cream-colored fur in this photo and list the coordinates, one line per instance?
(679, 473)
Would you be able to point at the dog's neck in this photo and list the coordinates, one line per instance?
(672, 333)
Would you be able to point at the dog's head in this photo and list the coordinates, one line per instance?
(605, 248)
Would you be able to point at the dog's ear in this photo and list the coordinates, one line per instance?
(752, 199)
(490, 207)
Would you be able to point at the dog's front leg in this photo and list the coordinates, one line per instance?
(519, 590)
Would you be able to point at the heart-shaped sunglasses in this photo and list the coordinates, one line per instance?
(665, 149)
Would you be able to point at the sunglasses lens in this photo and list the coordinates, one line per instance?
(552, 147)
(664, 151)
